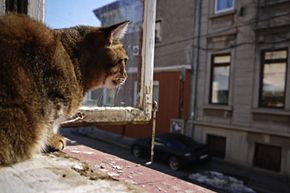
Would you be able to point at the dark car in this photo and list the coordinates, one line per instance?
(175, 149)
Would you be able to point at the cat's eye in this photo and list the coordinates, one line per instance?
(121, 61)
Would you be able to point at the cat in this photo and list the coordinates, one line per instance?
(44, 76)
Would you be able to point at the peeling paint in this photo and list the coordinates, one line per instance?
(115, 115)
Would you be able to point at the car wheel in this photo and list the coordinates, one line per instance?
(136, 151)
(174, 163)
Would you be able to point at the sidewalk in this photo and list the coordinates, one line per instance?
(105, 136)
(130, 173)
(259, 180)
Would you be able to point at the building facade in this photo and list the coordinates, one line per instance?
(243, 92)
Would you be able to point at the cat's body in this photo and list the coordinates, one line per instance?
(44, 75)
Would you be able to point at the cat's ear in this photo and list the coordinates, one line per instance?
(117, 31)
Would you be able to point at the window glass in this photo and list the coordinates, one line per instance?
(16, 6)
(110, 96)
(282, 54)
(222, 59)
(93, 98)
(113, 13)
(156, 92)
(223, 5)
(220, 80)
(273, 79)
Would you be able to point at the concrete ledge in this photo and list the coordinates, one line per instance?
(58, 173)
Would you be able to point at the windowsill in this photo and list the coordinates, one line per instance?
(58, 171)
(223, 14)
(222, 33)
(217, 107)
(269, 111)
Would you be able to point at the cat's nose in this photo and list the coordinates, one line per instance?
(122, 80)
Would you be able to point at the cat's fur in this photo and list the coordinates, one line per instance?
(44, 75)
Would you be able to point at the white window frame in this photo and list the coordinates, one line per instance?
(135, 98)
(143, 110)
(223, 10)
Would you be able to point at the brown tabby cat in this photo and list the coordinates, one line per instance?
(44, 75)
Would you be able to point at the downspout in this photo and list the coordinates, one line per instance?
(195, 64)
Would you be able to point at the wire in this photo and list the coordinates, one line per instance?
(223, 30)
(226, 48)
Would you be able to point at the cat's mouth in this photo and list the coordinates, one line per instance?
(118, 81)
(113, 81)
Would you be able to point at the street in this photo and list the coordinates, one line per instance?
(258, 180)
(118, 163)
(121, 152)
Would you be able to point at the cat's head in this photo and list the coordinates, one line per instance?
(116, 55)
(107, 66)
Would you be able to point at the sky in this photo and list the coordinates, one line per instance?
(68, 13)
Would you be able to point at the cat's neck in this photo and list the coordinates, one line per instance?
(72, 40)
(69, 39)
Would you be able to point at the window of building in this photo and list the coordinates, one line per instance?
(216, 145)
(19, 6)
(158, 31)
(109, 97)
(93, 98)
(223, 5)
(273, 79)
(267, 157)
(220, 74)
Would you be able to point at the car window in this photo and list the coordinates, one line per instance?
(187, 141)
(190, 142)
(174, 144)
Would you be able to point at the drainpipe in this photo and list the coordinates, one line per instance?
(195, 64)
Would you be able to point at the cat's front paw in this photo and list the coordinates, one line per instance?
(79, 115)
(55, 143)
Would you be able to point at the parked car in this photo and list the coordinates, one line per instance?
(175, 149)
